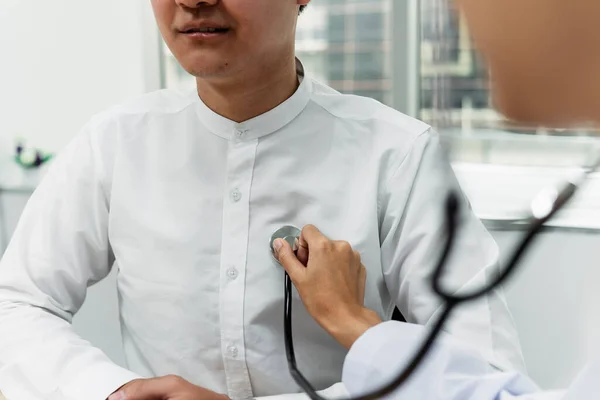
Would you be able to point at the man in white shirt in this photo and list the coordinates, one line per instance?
(181, 192)
(545, 58)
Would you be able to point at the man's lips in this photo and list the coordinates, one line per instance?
(203, 27)
(205, 30)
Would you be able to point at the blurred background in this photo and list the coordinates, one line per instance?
(63, 61)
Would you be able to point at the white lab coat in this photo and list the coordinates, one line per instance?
(451, 371)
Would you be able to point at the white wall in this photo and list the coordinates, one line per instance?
(62, 61)
(555, 299)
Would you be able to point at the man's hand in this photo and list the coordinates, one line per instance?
(165, 388)
(331, 281)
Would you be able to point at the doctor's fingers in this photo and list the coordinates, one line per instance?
(345, 249)
(312, 240)
(169, 387)
(288, 260)
(362, 282)
(334, 252)
(148, 389)
(311, 236)
(302, 253)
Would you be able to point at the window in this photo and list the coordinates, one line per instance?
(455, 99)
(353, 54)
(500, 166)
(369, 27)
(336, 29)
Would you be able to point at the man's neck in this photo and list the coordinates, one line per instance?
(256, 92)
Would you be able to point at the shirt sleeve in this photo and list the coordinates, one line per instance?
(412, 233)
(452, 371)
(60, 247)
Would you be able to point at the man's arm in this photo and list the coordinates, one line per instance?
(412, 235)
(60, 247)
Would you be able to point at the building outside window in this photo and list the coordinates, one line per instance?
(346, 44)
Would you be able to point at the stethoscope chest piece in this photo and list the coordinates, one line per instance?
(289, 233)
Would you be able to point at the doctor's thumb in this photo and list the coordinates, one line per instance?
(287, 258)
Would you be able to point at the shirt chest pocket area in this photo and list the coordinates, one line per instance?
(166, 242)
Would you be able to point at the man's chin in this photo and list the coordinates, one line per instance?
(205, 65)
(208, 71)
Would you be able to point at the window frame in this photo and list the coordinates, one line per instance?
(406, 56)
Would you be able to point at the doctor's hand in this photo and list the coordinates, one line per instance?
(164, 388)
(330, 279)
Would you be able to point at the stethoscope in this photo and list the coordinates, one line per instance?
(544, 206)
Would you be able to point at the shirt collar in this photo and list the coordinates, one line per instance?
(264, 124)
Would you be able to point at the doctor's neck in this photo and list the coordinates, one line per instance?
(251, 92)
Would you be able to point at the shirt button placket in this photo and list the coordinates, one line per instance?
(236, 209)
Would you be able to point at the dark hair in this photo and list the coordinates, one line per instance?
(302, 9)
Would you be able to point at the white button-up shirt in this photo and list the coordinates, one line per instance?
(182, 202)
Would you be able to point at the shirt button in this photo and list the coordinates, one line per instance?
(232, 273)
(236, 195)
(240, 133)
(233, 351)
